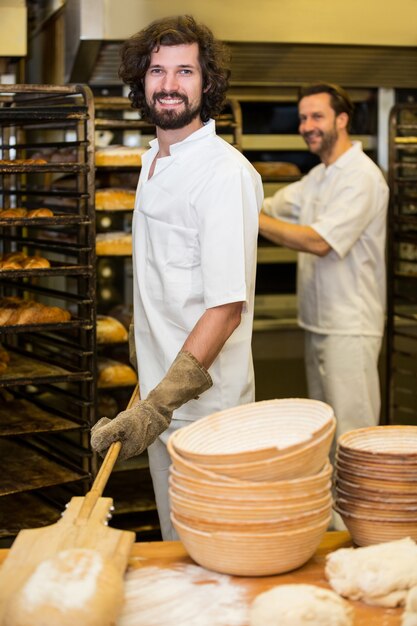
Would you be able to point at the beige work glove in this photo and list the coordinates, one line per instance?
(138, 427)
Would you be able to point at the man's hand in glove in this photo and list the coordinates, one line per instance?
(138, 427)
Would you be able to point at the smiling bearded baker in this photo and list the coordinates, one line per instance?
(335, 216)
(195, 230)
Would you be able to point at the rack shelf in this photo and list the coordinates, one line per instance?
(47, 388)
(401, 389)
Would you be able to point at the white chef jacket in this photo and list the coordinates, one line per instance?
(346, 203)
(195, 229)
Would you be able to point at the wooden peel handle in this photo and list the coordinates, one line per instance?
(106, 468)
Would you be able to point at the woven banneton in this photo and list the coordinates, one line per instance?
(376, 462)
(253, 526)
(303, 487)
(193, 470)
(234, 498)
(364, 470)
(376, 502)
(355, 490)
(254, 432)
(248, 554)
(303, 462)
(387, 442)
(367, 530)
(383, 511)
(247, 511)
(382, 484)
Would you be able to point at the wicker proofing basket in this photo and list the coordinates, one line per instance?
(224, 511)
(255, 527)
(386, 443)
(369, 530)
(297, 488)
(254, 432)
(303, 462)
(193, 493)
(246, 554)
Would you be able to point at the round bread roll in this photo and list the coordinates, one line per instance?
(35, 262)
(110, 330)
(290, 605)
(10, 265)
(40, 213)
(74, 587)
(13, 213)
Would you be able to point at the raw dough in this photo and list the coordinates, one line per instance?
(74, 587)
(380, 574)
(410, 614)
(299, 605)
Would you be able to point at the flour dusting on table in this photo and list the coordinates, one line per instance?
(186, 595)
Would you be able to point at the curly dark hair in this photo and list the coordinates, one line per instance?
(174, 31)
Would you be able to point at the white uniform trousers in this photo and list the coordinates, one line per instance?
(342, 370)
(159, 462)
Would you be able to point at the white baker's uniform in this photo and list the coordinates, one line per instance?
(195, 229)
(341, 297)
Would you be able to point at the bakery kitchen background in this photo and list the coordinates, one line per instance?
(72, 149)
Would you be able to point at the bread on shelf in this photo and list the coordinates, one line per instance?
(276, 169)
(21, 261)
(42, 212)
(110, 330)
(115, 199)
(119, 155)
(116, 243)
(16, 311)
(22, 212)
(23, 162)
(113, 373)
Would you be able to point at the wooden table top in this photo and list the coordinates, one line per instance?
(169, 553)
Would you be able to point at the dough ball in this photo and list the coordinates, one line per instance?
(74, 587)
(380, 574)
(296, 605)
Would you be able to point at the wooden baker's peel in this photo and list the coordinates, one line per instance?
(83, 525)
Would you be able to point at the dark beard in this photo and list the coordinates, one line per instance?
(329, 140)
(170, 120)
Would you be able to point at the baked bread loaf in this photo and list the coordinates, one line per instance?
(276, 169)
(119, 155)
(20, 261)
(115, 199)
(112, 373)
(110, 330)
(23, 162)
(20, 212)
(118, 243)
(43, 212)
(16, 311)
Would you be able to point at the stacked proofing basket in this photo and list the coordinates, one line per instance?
(250, 487)
(376, 483)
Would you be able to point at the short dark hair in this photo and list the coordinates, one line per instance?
(339, 98)
(173, 31)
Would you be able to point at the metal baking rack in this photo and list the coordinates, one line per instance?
(401, 384)
(47, 392)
